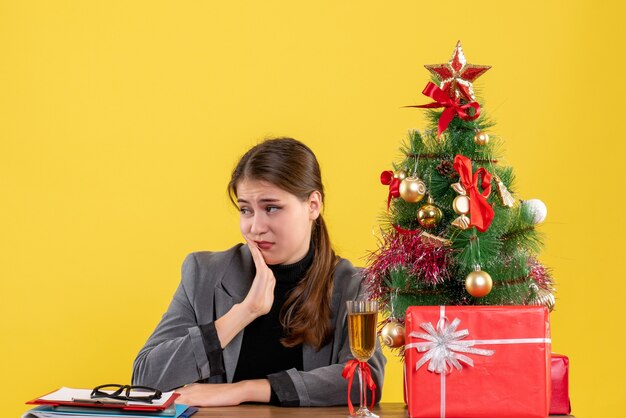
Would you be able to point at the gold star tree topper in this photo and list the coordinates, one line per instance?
(457, 75)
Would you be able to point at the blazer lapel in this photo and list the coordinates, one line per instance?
(241, 272)
(231, 289)
(223, 303)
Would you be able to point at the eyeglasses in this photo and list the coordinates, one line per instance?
(123, 392)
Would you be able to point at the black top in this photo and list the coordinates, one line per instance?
(261, 351)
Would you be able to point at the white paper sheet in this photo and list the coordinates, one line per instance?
(69, 394)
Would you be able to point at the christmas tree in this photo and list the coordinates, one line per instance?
(454, 233)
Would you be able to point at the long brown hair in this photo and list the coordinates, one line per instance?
(292, 166)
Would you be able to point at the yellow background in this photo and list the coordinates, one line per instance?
(120, 122)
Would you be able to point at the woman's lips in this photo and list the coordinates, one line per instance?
(264, 245)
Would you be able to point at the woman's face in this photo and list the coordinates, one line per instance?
(276, 221)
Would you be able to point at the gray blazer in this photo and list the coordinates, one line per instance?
(182, 349)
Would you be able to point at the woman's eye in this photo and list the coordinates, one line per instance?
(244, 211)
(271, 209)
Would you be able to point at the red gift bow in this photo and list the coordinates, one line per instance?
(366, 372)
(452, 106)
(481, 212)
(387, 178)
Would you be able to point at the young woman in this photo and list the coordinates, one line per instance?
(265, 321)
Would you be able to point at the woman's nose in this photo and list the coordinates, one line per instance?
(258, 225)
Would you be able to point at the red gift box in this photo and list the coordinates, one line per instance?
(477, 361)
(559, 404)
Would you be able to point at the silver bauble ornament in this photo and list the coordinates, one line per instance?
(537, 208)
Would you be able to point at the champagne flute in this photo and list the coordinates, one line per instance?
(362, 320)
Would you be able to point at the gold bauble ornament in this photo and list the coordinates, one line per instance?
(392, 334)
(400, 175)
(478, 283)
(543, 297)
(546, 298)
(412, 189)
(429, 214)
(481, 138)
(461, 204)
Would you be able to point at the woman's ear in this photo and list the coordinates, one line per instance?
(315, 205)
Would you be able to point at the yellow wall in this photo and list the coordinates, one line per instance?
(120, 122)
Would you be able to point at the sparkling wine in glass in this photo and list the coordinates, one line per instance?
(362, 320)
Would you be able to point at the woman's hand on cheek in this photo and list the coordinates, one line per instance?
(261, 295)
(224, 394)
(257, 302)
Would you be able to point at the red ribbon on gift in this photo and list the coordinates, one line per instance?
(366, 372)
(387, 178)
(452, 106)
(481, 212)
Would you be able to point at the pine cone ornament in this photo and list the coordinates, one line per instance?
(446, 169)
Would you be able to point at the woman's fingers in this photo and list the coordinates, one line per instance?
(261, 294)
(259, 261)
(225, 394)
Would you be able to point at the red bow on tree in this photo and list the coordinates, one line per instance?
(481, 212)
(452, 106)
(387, 178)
(366, 372)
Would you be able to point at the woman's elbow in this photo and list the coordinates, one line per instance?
(141, 375)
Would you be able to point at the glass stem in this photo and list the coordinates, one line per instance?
(362, 394)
